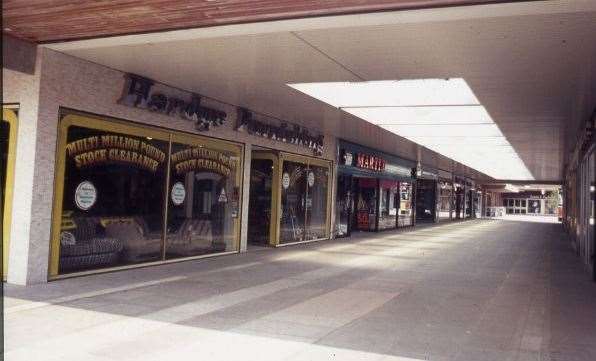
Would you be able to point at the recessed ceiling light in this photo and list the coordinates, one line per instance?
(442, 115)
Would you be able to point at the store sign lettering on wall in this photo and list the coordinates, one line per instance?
(370, 162)
(138, 93)
(363, 160)
(110, 149)
(284, 132)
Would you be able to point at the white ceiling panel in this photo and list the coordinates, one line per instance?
(422, 115)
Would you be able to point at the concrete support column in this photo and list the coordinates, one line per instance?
(245, 197)
(27, 260)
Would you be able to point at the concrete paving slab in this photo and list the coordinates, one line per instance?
(475, 290)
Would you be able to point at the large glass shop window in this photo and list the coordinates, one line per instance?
(317, 181)
(112, 208)
(293, 199)
(203, 202)
(303, 202)
(405, 204)
(459, 202)
(388, 204)
(343, 205)
(445, 199)
(114, 193)
(366, 204)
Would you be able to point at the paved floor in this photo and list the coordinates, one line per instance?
(477, 290)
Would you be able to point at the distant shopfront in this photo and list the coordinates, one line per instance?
(531, 203)
(427, 195)
(374, 190)
(446, 206)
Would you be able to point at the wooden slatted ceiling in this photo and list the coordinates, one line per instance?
(58, 20)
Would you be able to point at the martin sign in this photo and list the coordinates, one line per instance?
(138, 93)
(363, 160)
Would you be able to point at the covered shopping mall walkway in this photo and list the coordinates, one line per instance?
(475, 290)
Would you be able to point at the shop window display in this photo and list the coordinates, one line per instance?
(203, 201)
(366, 204)
(426, 201)
(388, 204)
(112, 203)
(534, 206)
(316, 202)
(293, 198)
(405, 205)
(303, 202)
(445, 199)
(343, 206)
(130, 195)
(459, 202)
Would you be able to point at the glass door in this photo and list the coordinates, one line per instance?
(262, 174)
(343, 206)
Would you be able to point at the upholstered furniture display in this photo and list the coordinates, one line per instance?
(195, 236)
(90, 253)
(80, 248)
(138, 243)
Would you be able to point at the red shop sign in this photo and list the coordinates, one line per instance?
(370, 162)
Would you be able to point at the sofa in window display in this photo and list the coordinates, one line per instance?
(138, 243)
(82, 248)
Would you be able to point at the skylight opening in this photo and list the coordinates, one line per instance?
(443, 115)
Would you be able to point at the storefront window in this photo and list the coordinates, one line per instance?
(426, 201)
(316, 202)
(388, 204)
(303, 202)
(405, 204)
(366, 204)
(113, 182)
(445, 199)
(343, 205)
(293, 198)
(534, 206)
(203, 201)
(459, 202)
(112, 200)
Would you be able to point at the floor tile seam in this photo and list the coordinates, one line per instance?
(91, 294)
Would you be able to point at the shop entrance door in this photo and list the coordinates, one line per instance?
(343, 206)
(263, 167)
(8, 128)
(365, 204)
(426, 205)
